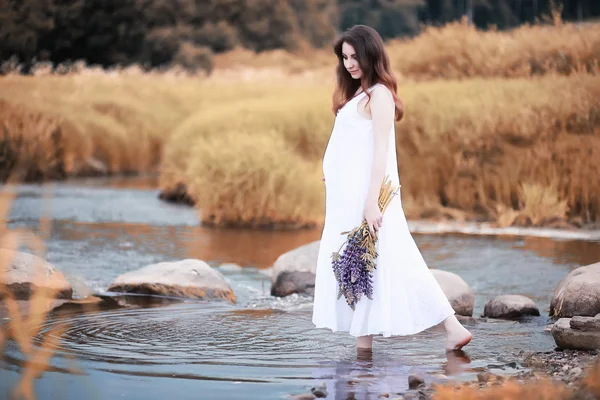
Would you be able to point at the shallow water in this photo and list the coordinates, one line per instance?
(261, 347)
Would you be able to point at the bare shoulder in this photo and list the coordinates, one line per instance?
(381, 90)
(382, 97)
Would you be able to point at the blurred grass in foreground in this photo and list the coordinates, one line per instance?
(542, 389)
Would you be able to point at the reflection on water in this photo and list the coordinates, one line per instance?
(260, 347)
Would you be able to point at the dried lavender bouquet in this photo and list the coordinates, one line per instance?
(354, 267)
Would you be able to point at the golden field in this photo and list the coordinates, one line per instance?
(499, 126)
(456, 51)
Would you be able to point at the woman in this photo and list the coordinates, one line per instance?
(361, 152)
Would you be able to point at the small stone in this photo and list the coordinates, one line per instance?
(484, 377)
(565, 368)
(385, 396)
(414, 381)
(576, 372)
(304, 396)
(510, 307)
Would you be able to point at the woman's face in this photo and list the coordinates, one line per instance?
(350, 61)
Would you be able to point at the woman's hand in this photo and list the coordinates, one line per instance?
(374, 217)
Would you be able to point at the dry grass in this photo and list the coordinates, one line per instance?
(542, 389)
(59, 126)
(24, 325)
(471, 145)
(516, 151)
(498, 149)
(64, 126)
(254, 179)
(253, 162)
(456, 50)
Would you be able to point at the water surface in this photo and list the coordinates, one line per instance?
(261, 347)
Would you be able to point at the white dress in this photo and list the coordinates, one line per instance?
(406, 297)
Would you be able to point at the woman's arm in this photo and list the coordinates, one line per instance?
(382, 113)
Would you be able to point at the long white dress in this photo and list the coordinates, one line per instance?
(406, 297)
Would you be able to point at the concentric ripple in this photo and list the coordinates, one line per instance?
(180, 334)
(222, 344)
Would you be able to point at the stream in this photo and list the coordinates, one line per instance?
(261, 347)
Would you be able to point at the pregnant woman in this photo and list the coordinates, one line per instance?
(406, 298)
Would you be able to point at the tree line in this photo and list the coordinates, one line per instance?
(153, 33)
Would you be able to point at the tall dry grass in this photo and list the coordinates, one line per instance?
(60, 126)
(456, 50)
(254, 179)
(459, 50)
(473, 145)
(254, 161)
(518, 151)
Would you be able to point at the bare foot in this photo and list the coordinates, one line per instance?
(458, 338)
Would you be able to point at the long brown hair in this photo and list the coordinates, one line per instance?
(374, 63)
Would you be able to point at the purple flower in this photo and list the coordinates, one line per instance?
(353, 268)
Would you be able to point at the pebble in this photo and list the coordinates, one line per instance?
(320, 391)
(575, 372)
(305, 396)
(414, 381)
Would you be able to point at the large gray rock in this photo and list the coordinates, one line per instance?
(578, 293)
(190, 278)
(577, 333)
(23, 274)
(294, 271)
(459, 293)
(510, 306)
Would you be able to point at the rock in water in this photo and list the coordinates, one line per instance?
(585, 324)
(190, 278)
(414, 381)
(578, 333)
(459, 293)
(578, 293)
(23, 274)
(510, 306)
(294, 271)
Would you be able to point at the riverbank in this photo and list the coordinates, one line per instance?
(565, 375)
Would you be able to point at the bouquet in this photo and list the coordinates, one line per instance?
(354, 267)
